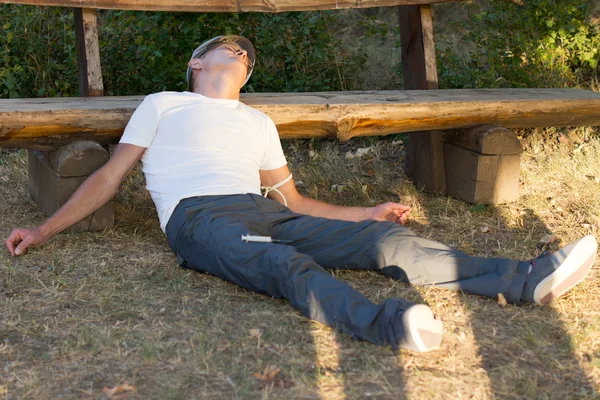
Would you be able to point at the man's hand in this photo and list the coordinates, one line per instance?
(393, 212)
(20, 239)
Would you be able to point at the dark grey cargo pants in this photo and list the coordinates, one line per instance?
(205, 234)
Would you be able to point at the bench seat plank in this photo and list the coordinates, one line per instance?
(272, 6)
(48, 123)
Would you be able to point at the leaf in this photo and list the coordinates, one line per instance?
(337, 188)
(268, 374)
(548, 239)
(477, 208)
(359, 152)
(500, 300)
(223, 347)
(484, 229)
(255, 333)
(119, 392)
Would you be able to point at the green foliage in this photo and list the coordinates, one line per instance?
(148, 52)
(37, 52)
(145, 52)
(299, 52)
(545, 43)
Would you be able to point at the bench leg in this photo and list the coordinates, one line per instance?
(483, 164)
(424, 163)
(55, 175)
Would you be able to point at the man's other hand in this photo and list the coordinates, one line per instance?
(20, 239)
(393, 212)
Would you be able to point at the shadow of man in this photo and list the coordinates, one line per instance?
(526, 351)
(360, 369)
(539, 356)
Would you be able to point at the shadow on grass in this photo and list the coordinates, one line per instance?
(539, 355)
(365, 370)
(525, 350)
(265, 346)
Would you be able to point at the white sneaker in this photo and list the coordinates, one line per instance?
(422, 332)
(552, 275)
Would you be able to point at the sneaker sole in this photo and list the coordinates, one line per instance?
(421, 330)
(573, 270)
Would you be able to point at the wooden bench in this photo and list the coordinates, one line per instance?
(475, 160)
(49, 123)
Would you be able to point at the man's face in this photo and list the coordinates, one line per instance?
(230, 56)
(227, 56)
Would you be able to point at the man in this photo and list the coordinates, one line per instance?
(205, 156)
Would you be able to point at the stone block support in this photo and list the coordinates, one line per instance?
(55, 175)
(483, 164)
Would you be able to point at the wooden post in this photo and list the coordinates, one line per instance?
(424, 162)
(88, 53)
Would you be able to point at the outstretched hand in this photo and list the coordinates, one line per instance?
(393, 212)
(20, 239)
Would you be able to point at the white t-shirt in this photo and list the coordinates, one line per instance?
(200, 146)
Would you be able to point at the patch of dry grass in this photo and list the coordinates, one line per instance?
(94, 310)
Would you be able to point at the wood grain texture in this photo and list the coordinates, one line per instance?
(48, 123)
(485, 139)
(478, 178)
(272, 6)
(431, 76)
(88, 53)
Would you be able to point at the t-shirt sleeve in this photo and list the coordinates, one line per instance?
(141, 128)
(274, 157)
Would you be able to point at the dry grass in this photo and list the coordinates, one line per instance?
(98, 309)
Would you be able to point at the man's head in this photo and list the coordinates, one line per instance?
(222, 51)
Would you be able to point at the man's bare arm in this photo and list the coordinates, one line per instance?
(393, 212)
(93, 193)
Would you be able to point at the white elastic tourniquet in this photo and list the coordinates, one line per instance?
(273, 188)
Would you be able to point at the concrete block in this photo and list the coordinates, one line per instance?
(80, 158)
(483, 164)
(478, 178)
(51, 186)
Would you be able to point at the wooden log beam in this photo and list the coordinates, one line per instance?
(48, 123)
(271, 6)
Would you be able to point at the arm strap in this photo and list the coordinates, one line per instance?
(273, 188)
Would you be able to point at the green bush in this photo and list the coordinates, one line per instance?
(145, 52)
(545, 43)
(37, 52)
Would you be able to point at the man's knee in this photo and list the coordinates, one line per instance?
(392, 236)
(393, 250)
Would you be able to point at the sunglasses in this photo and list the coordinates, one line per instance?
(231, 45)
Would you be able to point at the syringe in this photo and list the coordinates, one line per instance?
(263, 239)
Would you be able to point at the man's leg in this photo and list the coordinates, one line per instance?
(206, 236)
(397, 252)
(400, 254)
